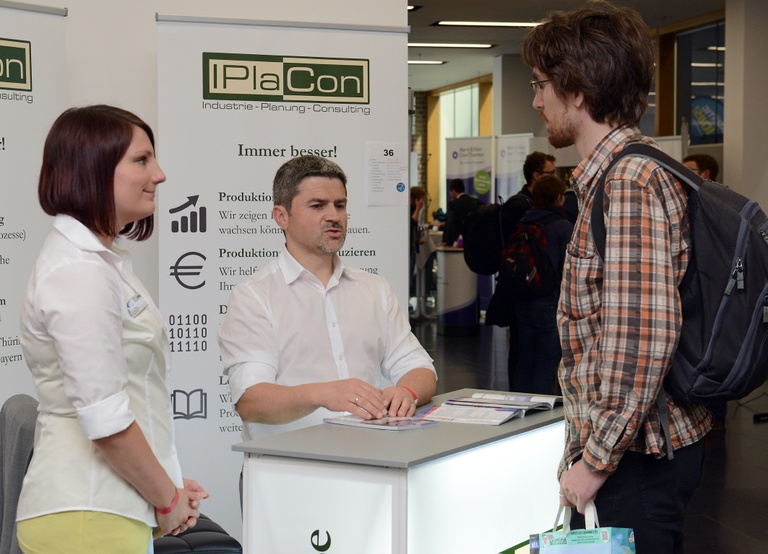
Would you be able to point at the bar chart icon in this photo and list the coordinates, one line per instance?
(194, 221)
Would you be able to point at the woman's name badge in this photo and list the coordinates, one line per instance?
(136, 305)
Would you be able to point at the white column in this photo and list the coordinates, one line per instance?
(745, 165)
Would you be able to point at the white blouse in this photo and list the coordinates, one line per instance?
(98, 350)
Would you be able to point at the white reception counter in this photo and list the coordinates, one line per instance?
(441, 489)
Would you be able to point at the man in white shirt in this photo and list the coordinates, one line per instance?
(305, 336)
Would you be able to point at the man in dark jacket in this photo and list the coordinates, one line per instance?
(460, 206)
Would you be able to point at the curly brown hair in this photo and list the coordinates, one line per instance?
(601, 51)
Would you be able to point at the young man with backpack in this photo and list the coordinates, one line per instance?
(531, 266)
(619, 315)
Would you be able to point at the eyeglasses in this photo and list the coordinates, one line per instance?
(538, 85)
(550, 172)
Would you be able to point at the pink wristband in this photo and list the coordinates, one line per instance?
(170, 508)
(410, 390)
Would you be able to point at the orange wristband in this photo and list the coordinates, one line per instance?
(410, 390)
(170, 508)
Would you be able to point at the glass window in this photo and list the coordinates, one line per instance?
(701, 82)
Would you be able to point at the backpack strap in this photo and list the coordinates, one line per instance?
(642, 150)
(661, 404)
(597, 220)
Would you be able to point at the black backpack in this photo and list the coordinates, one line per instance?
(526, 272)
(723, 349)
(486, 229)
(483, 239)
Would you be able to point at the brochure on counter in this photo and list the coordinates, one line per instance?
(520, 401)
(471, 414)
(384, 424)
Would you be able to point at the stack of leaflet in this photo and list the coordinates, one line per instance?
(518, 400)
(486, 408)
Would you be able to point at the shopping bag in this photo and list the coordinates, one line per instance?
(592, 540)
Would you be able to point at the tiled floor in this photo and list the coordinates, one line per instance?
(729, 511)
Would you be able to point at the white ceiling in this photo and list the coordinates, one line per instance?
(466, 64)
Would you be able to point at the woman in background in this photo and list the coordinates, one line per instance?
(539, 353)
(104, 471)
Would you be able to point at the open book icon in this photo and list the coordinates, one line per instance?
(189, 405)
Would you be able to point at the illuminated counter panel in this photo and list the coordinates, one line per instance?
(447, 488)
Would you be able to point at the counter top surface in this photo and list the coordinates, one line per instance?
(399, 449)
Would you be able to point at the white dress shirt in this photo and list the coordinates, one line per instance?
(98, 351)
(284, 327)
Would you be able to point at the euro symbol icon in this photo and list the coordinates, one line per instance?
(179, 271)
(316, 541)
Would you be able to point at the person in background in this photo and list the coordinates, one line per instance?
(703, 164)
(307, 337)
(536, 165)
(418, 199)
(536, 318)
(619, 315)
(459, 207)
(707, 167)
(104, 471)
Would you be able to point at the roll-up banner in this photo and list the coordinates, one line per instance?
(511, 151)
(471, 160)
(32, 95)
(236, 101)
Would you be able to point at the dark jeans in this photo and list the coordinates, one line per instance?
(650, 496)
(538, 352)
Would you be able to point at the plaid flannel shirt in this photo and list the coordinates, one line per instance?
(619, 318)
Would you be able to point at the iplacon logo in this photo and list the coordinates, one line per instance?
(285, 78)
(15, 64)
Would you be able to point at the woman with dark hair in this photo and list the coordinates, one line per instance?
(104, 471)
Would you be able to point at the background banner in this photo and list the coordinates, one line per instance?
(511, 151)
(471, 160)
(32, 95)
(235, 103)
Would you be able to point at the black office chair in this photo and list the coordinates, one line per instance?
(205, 537)
(17, 437)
